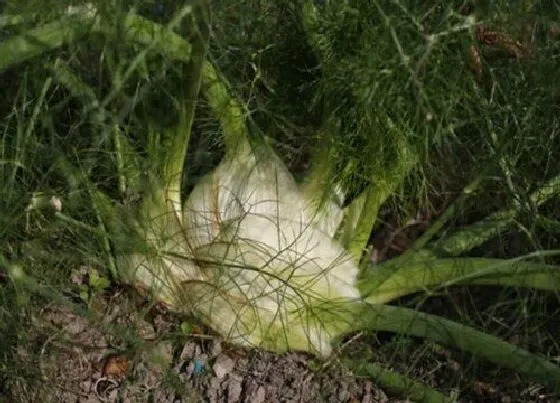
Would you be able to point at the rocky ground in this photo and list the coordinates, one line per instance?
(131, 353)
(78, 363)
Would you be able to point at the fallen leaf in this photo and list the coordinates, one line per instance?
(115, 366)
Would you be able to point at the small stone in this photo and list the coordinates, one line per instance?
(216, 348)
(188, 353)
(86, 385)
(343, 395)
(213, 390)
(234, 389)
(113, 394)
(223, 366)
(76, 327)
(259, 396)
(251, 388)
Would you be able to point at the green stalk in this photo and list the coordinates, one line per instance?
(476, 234)
(317, 187)
(375, 196)
(397, 383)
(411, 322)
(384, 185)
(176, 140)
(160, 38)
(120, 161)
(352, 215)
(399, 277)
(64, 75)
(37, 41)
(137, 29)
(447, 215)
(228, 110)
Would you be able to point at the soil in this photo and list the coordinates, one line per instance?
(137, 353)
(83, 362)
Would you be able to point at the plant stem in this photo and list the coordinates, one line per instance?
(399, 277)
(176, 141)
(397, 383)
(228, 110)
(476, 234)
(409, 321)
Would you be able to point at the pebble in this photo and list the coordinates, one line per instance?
(213, 391)
(260, 395)
(234, 388)
(215, 349)
(189, 351)
(223, 366)
(254, 393)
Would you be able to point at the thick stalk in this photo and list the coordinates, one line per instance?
(399, 277)
(228, 110)
(136, 29)
(409, 321)
(476, 234)
(176, 141)
(397, 383)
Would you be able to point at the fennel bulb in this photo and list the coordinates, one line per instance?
(250, 255)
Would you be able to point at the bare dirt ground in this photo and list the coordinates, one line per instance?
(132, 354)
(78, 363)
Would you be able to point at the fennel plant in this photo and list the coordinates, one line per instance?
(262, 259)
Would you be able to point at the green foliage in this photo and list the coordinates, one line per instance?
(96, 284)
